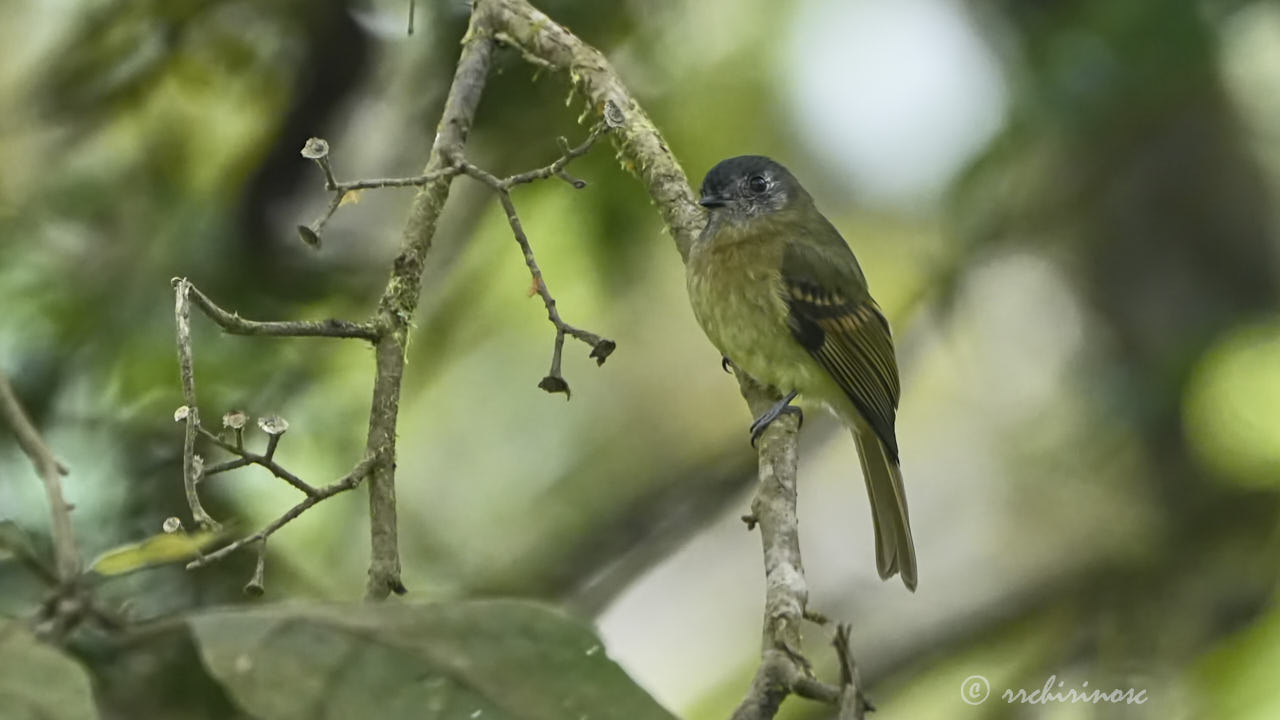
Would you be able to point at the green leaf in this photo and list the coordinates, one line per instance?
(155, 550)
(40, 681)
(490, 660)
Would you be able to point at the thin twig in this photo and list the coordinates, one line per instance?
(317, 149)
(548, 44)
(601, 347)
(244, 458)
(341, 190)
(347, 482)
(50, 472)
(236, 325)
(853, 705)
(412, 181)
(191, 465)
(556, 168)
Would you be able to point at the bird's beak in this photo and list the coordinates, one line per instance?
(712, 201)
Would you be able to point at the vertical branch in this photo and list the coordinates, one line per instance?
(384, 548)
(400, 300)
(50, 472)
(783, 671)
(191, 464)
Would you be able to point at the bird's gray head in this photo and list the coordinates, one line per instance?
(747, 186)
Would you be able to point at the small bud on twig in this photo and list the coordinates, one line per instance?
(315, 149)
(273, 425)
(318, 149)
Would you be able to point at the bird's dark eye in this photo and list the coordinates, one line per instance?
(757, 184)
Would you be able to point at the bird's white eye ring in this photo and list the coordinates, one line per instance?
(757, 184)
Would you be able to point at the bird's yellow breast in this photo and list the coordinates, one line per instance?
(735, 289)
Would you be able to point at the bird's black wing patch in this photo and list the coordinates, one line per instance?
(850, 339)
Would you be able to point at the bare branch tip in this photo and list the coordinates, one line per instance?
(601, 350)
(257, 585)
(574, 182)
(555, 384)
(309, 236)
(315, 149)
(273, 425)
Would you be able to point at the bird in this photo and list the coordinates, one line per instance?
(779, 293)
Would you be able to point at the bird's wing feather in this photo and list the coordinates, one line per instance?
(833, 316)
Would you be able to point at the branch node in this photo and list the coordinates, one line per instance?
(613, 116)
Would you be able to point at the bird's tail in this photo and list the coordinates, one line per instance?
(895, 552)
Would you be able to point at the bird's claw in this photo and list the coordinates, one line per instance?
(777, 410)
(726, 364)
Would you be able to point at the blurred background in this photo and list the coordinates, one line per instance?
(1068, 210)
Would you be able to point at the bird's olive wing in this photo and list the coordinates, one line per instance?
(835, 319)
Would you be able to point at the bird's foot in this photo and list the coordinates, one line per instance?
(726, 364)
(780, 408)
